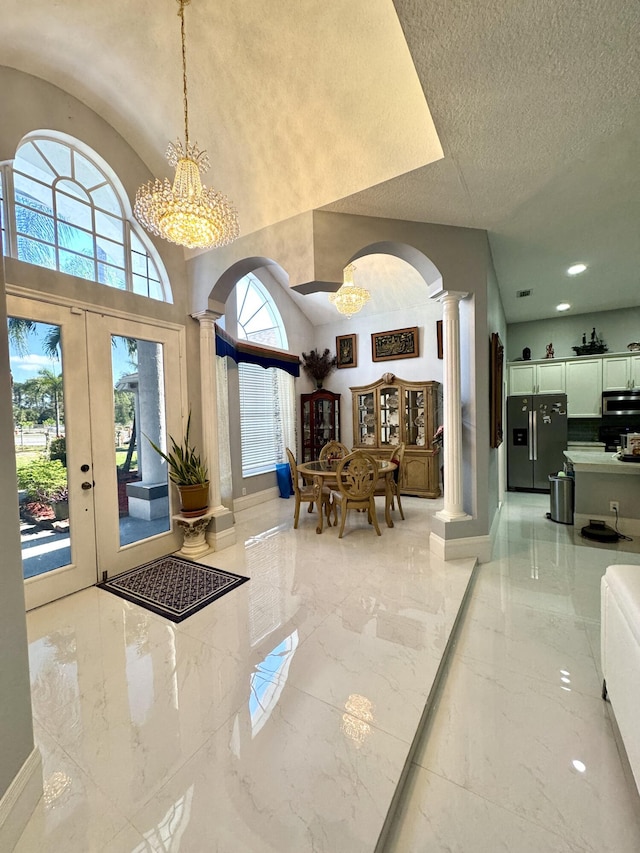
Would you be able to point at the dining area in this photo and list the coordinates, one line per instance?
(341, 480)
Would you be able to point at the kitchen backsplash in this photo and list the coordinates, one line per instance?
(583, 429)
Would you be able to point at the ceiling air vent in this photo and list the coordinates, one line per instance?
(522, 293)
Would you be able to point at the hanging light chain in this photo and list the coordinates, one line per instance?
(185, 102)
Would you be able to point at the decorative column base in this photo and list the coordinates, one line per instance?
(194, 532)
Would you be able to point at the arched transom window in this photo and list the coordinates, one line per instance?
(70, 214)
(267, 397)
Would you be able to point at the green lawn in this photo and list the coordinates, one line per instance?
(24, 456)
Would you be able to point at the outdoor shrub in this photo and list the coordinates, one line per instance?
(58, 450)
(41, 477)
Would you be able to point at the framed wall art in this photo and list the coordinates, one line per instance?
(400, 343)
(439, 338)
(496, 384)
(347, 351)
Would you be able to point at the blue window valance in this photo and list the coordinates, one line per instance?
(245, 351)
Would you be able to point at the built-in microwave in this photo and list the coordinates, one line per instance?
(620, 403)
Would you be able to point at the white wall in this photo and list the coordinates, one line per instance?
(426, 367)
(616, 328)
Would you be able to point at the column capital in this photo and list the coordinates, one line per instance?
(451, 296)
(206, 317)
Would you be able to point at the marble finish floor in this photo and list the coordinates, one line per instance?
(279, 718)
(519, 754)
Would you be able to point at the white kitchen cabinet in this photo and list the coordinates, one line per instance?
(584, 388)
(545, 378)
(621, 372)
(616, 373)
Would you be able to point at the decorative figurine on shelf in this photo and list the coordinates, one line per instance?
(526, 354)
(594, 347)
(550, 352)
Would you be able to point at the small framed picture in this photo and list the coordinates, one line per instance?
(347, 351)
(400, 343)
(439, 338)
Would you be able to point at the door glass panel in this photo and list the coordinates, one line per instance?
(322, 423)
(39, 435)
(414, 418)
(366, 419)
(139, 415)
(389, 416)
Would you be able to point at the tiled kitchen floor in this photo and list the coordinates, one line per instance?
(278, 718)
(519, 754)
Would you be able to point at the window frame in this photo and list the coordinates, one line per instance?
(276, 336)
(155, 281)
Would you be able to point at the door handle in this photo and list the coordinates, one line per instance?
(530, 438)
(86, 486)
(535, 436)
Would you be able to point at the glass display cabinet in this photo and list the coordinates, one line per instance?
(320, 414)
(391, 411)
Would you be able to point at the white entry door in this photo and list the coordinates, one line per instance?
(110, 383)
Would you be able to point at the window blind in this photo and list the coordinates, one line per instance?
(260, 427)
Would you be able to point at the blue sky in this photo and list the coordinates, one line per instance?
(25, 367)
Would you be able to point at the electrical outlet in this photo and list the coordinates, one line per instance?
(244, 491)
(614, 506)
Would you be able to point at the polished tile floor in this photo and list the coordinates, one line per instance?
(519, 753)
(279, 718)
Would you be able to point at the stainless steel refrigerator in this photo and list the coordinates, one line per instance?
(537, 437)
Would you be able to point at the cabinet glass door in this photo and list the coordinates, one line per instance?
(389, 416)
(414, 418)
(366, 419)
(322, 423)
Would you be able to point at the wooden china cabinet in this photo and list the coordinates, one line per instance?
(391, 411)
(320, 414)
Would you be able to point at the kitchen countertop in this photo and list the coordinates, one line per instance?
(594, 462)
(586, 445)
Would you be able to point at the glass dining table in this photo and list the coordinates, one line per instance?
(323, 473)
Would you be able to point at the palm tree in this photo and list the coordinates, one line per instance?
(19, 330)
(52, 386)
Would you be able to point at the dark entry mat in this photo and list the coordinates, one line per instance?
(172, 586)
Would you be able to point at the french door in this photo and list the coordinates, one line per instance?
(108, 384)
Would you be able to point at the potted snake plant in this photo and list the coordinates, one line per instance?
(188, 472)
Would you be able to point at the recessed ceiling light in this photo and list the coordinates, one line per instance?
(576, 269)
(563, 306)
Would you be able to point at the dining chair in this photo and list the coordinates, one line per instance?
(308, 493)
(333, 451)
(397, 456)
(356, 475)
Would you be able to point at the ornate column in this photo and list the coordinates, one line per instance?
(452, 420)
(222, 532)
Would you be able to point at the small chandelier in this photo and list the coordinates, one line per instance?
(186, 213)
(350, 298)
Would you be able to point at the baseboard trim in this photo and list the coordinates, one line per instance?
(479, 547)
(223, 539)
(20, 799)
(247, 501)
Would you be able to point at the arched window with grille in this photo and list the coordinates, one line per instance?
(267, 396)
(69, 212)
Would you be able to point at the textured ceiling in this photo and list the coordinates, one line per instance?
(302, 104)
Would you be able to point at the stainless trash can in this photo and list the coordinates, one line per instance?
(561, 499)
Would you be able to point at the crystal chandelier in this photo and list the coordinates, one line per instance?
(350, 298)
(186, 213)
